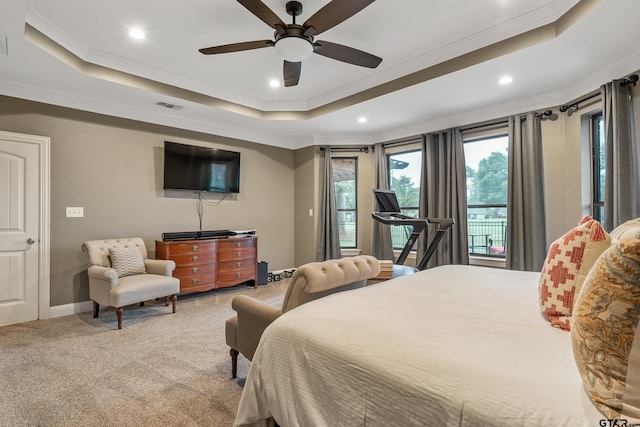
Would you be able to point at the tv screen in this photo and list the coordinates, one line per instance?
(191, 167)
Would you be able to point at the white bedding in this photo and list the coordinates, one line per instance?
(449, 346)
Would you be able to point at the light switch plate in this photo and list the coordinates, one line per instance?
(75, 212)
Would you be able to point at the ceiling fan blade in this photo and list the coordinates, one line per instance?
(334, 13)
(263, 12)
(236, 47)
(346, 54)
(291, 72)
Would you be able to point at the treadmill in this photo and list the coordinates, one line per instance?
(389, 213)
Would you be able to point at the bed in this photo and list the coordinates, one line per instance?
(448, 346)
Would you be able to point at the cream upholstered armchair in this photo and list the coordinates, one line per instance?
(309, 282)
(120, 274)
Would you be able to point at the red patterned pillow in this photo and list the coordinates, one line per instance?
(568, 262)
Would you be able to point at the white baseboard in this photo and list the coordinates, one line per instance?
(69, 309)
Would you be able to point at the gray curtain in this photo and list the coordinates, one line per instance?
(622, 188)
(443, 194)
(328, 237)
(526, 227)
(382, 244)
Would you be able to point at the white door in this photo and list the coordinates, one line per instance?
(19, 234)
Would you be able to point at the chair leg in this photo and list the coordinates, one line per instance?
(166, 301)
(234, 362)
(174, 301)
(119, 314)
(96, 309)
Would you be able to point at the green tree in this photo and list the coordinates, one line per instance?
(406, 193)
(472, 193)
(345, 192)
(490, 180)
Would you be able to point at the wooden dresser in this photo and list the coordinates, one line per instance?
(206, 264)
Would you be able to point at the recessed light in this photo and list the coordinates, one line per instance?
(362, 119)
(137, 33)
(274, 83)
(505, 80)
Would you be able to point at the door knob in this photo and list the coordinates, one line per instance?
(30, 241)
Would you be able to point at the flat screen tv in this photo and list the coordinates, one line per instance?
(191, 167)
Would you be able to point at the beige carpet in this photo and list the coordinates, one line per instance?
(161, 369)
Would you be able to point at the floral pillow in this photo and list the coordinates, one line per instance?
(605, 331)
(568, 262)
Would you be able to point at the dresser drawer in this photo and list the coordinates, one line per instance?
(194, 283)
(194, 270)
(246, 242)
(234, 265)
(188, 260)
(191, 247)
(236, 276)
(236, 254)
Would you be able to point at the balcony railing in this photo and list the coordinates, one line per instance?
(487, 237)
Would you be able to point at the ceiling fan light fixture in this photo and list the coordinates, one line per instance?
(293, 49)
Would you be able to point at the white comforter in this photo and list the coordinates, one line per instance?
(449, 346)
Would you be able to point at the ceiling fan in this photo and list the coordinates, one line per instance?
(295, 43)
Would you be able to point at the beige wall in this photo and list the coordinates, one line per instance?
(306, 196)
(309, 169)
(113, 168)
(566, 163)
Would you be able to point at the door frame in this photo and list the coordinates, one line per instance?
(44, 216)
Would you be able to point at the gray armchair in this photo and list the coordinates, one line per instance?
(120, 274)
(309, 282)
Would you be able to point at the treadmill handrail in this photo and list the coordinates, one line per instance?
(418, 224)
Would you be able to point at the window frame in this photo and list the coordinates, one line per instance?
(355, 208)
(479, 137)
(405, 149)
(595, 143)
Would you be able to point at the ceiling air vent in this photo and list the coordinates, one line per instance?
(169, 106)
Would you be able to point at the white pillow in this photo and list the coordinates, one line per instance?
(127, 261)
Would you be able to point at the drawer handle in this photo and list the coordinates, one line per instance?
(239, 254)
(238, 264)
(195, 249)
(195, 258)
(194, 282)
(238, 274)
(238, 244)
(194, 269)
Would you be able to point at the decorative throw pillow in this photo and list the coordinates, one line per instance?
(605, 330)
(568, 262)
(625, 230)
(127, 261)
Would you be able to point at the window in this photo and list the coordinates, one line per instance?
(404, 179)
(345, 172)
(597, 166)
(487, 177)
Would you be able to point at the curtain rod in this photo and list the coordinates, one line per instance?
(496, 123)
(404, 141)
(362, 149)
(575, 105)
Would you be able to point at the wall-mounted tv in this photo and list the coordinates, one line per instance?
(196, 168)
